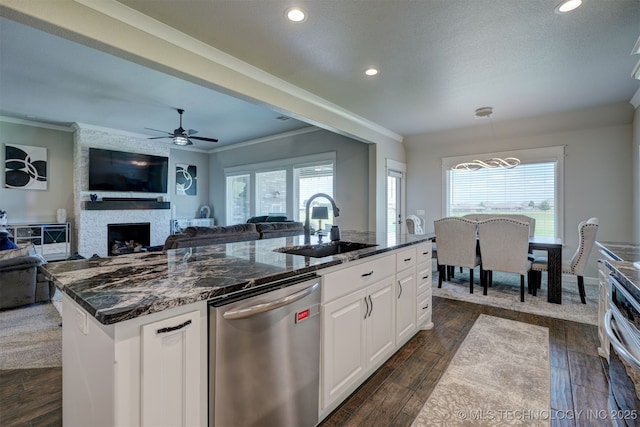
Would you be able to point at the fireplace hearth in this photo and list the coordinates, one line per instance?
(128, 238)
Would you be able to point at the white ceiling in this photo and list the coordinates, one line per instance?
(439, 61)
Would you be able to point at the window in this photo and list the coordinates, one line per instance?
(532, 188)
(281, 187)
(271, 193)
(310, 180)
(237, 199)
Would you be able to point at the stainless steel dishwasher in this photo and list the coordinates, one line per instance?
(264, 356)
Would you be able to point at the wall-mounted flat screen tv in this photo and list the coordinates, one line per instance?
(120, 171)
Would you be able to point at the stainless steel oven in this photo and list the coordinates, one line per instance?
(622, 326)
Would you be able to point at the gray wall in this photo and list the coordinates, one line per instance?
(598, 166)
(189, 206)
(351, 171)
(25, 206)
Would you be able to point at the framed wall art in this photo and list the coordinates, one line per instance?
(25, 167)
(186, 180)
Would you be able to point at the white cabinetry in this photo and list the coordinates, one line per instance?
(405, 295)
(369, 310)
(358, 325)
(170, 371)
(128, 374)
(424, 273)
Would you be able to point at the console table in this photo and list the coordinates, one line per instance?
(52, 241)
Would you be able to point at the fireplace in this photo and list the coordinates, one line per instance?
(128, 238)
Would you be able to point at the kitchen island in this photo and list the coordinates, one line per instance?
(118, 369)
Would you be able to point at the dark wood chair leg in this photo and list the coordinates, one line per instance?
(485, 280)
(522, 288)
(441, 269)
(532, 282)
(581, 289)
(470, 280)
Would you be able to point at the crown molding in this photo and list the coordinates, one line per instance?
(36, 124)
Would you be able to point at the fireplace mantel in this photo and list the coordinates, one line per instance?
(105, 205)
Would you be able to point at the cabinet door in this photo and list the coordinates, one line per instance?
(170, 370)
(405, 305)
(380, 341)
(343, 343)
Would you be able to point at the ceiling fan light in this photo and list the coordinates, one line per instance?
(568, 5)
(180, 140)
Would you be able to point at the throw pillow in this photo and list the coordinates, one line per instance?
(256, 219)
(24, 249)
(7, 244)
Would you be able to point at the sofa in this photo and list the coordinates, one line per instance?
(204, 236)
(21, 282)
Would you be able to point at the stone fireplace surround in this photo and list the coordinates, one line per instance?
(91, 226)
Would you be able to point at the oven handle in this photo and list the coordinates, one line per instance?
(245, 312)
(615, 342)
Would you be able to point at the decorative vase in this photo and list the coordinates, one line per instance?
(4, 220)
(61, 215)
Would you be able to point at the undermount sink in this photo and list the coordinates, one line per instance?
(325, 249)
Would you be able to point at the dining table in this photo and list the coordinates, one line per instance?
(553, 247)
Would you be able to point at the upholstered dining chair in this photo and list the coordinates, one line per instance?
(456, 242)
(587, 231)
(504, 246)
(414, 224)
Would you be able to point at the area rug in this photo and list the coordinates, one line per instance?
(505, 293)
(499, 376)
(30, 337)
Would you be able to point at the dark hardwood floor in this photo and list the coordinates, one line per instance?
(396, 392)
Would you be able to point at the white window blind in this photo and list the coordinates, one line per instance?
(312, 179)
(529, 189)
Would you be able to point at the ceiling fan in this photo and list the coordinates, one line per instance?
(181, 136)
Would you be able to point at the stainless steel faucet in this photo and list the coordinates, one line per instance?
(307, 227)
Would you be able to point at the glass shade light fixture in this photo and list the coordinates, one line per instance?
(181, 140)
(495, 162)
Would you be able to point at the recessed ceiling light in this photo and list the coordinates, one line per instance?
(295, 14)
(371, 72)
(568, 5)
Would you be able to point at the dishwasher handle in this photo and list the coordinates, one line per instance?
(242, 313)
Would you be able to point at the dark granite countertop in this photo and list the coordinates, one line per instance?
(115, 289)
(624, 262)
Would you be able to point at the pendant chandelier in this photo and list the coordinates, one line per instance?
(495, 162)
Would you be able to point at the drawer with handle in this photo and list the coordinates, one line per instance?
(349, 279)
(424, 252)
(405, 259)
(424, 277)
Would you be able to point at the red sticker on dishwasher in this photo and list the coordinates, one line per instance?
(301, 315)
